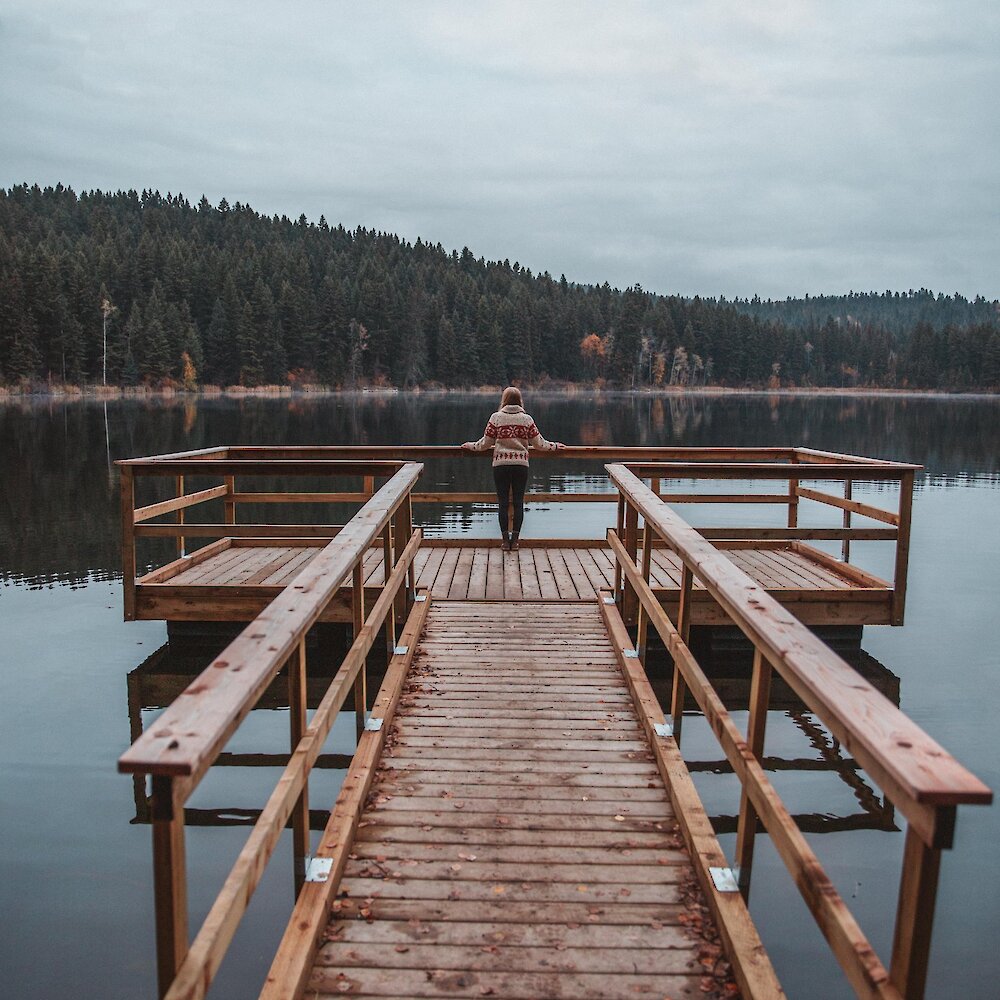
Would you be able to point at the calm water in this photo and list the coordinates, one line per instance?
(75, 886)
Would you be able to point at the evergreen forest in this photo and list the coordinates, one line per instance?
(144, 289)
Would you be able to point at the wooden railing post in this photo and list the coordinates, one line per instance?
(399, 543)
(361, 683)
(911, 943)
(411, 573)
(297, 707)
(180, 515)
(230, 505)
(620, 531)
(845, 552)
(647, 562)
(390, 619)
(679, 691)
(631, 541)
(793, 499)
(746, 831)
(369, 487)
(128, 540)
(169, 882)
(902, 547)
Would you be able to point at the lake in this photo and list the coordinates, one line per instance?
(75, 859)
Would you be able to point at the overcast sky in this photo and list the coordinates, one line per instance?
(695, 147)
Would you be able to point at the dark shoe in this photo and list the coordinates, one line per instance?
(505, 545)
(513, 543)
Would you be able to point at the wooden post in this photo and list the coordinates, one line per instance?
(128, 540)
(684, 628)
(369, 487)
(746, 830)
(793, 499)
(647, 561)
(411, 574)
(390, 618)
(631, 542)
(845, 551)
(902, 547)
(230, 505)
(180, 515)
(361, 684)
(297, 706)
(619, 530)
(911, 943)
(169, 882)
(399, 543)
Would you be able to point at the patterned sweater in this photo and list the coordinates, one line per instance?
(510, 433)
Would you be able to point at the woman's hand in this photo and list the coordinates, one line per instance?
(559, 446)
(469, 446)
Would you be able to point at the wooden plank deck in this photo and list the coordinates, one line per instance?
(518, 839)
(237, 582)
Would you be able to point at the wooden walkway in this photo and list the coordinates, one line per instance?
(518, 840)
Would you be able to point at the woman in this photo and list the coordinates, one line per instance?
(510, 433)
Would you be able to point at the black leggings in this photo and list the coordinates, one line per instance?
(510, 479)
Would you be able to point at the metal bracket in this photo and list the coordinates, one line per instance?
(664, 728)
(724, 879)
(631, 654)
(609, 600)
(373, 725)
(420, 597)
(318, 869)
(400, 650)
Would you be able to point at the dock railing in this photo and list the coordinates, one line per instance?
(923, 781)
(791, 467)
(178, 750)
(227, 464)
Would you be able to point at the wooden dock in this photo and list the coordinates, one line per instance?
(518, 819)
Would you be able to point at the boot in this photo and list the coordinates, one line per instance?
(505, 544)
(513, 541)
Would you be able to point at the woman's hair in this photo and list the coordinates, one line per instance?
(511, 395)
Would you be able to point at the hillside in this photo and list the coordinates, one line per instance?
(194, 294)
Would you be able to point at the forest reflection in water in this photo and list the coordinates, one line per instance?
(66, 655)
(57, 456)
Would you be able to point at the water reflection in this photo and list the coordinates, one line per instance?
(58, 521)
(163, 675)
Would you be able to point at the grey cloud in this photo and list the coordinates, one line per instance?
(722, 148)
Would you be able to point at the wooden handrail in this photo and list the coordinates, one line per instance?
(921, 778)
(769, 470)
(205, 956)
(196, 529)
(187, 739)
(268, 467)
(178, 503)
(193, 729)
(850, 506)
(846, 938)
(898, 755)
(423, 452)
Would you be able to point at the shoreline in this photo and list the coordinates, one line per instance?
(117, 394)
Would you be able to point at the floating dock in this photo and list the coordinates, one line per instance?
(518, 819)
